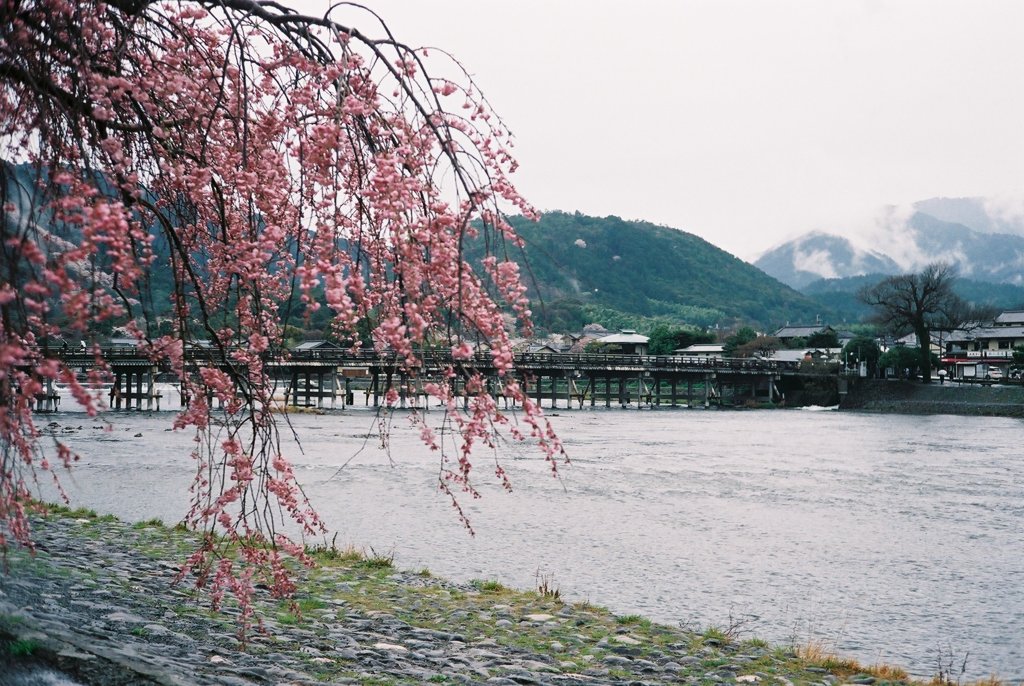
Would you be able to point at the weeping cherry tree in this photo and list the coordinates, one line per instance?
(287, 163)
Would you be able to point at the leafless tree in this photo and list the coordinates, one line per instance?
(921, 302)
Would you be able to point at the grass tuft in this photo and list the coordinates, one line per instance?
(309, 604)
(325, 552)
(65, 511)
(377, 560)
(991, 680)
(818, 654)
(488, 586)
(546, 586)
(714, 634)
(22, 647)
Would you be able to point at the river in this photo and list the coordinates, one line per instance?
(887, 538)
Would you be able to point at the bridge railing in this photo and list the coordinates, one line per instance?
(581, 361)
(433, 359)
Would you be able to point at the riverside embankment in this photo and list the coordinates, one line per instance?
(96, 605)
(913, 397)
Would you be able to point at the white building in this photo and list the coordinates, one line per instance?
(627, 342)
(972, 351)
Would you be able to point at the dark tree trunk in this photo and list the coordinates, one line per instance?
(924, 342)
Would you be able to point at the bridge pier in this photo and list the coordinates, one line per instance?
(309, 386)
(48, 400)
(132, 385)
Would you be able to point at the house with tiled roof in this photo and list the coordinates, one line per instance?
(788, 333)
(703, 350)
(627, 342)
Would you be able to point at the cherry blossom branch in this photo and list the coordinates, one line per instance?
(289, 163)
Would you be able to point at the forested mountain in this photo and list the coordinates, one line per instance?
(839, 296)
(579, 269)
(19, 190)
(622, 273)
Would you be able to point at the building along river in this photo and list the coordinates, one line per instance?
(888, 538)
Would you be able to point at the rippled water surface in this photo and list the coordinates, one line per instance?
(890, 538)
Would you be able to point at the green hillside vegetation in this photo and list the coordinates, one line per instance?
(579, 269)
(20, 187)
(634, 274)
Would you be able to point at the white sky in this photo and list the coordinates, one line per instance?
(746, 122)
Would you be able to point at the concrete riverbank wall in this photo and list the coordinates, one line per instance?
(914, 397)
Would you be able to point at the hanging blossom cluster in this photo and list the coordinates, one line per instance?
(284, 163)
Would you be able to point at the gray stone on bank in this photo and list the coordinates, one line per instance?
(104, 613)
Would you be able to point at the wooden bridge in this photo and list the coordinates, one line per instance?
(311, 377)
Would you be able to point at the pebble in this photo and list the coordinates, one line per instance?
(112, 615)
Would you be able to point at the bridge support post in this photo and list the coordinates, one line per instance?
(151, 389)
(115, 390)
(49, 400)
(292, 394)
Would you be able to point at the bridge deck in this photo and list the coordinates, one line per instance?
(431, 361)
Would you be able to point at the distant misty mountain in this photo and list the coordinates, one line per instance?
(977, 213)
(816, 256)
(983, 242)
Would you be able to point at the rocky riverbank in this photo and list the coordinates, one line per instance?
(96, 606)
(914, 397)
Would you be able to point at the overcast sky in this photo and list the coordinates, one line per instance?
(746, 122)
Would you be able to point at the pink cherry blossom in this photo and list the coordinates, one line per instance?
(274, 161)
